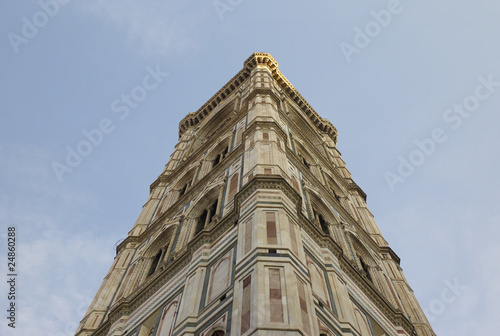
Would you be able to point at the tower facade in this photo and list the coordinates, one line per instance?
(255, 227)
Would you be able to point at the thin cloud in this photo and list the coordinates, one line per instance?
(155, 27)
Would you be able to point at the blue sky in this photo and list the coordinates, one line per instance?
(413, 88)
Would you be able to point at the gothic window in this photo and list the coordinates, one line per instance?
(334, 188)
(206, 217)
(184, 188)
(186, 182)
(304, 161)
(220, 156)
(323, 224)
(364, 266)
(216, 160)
(154, 264)
(321, 221)
(218, 333)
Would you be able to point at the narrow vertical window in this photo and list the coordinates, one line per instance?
(201, 222)
(183, 189)
(365, 269)
(212, 211)
(216, 161)
(224, 152)
(304, 161)
(154, 264)
(206, 217)
(323, 224)
(265, 136)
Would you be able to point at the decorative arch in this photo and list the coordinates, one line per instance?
(207, 131)
(361, 250)
(220, 151)
(205, 210)
(157, 251)
(321, 213)
(365, 259)
(159, 241)
(304, 155)
(184, 183)
(334, 187)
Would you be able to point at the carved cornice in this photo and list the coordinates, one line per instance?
(255, 60)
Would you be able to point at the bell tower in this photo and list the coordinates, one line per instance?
(255, 227)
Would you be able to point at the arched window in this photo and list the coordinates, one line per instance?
(206, 217)
(321, 221)
(182, 191)
(304, 161)
(220, 156)
(218, 333)
(154, 264)
(186, 182)
(365, 268)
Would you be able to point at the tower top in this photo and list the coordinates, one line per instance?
(257, 59)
